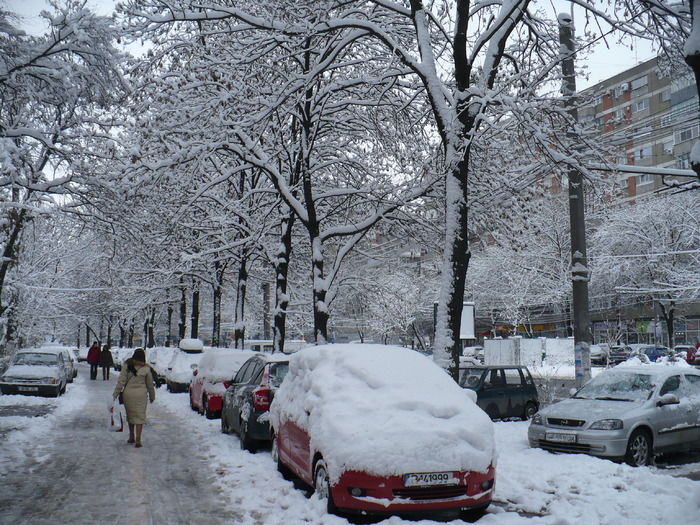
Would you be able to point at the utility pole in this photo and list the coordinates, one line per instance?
(579, 263)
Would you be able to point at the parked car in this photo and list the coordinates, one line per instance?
(70, 360)
(159, 358)
(382, 430)
(502, 391)
(208, 385)
(618, 354)
(246, 402)
(625, 413)
(600, 353)
(119, 355)
(191, 345)
(41, 371)
(687, 353)
(652, 352)
(181, 370)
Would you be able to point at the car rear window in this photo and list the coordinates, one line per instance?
(277, 373)
(27, 358)
(470, 377)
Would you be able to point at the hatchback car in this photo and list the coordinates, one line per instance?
(208, 384)
(625, 413)
(651, 352)
(382, 430)
(246, 402)
(41, 371)
(502, 391)
(600, 353)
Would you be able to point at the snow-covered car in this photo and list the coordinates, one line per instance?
(119, 355)
(191, 345)
(70, 359)
(600, 353)
(41, 371)
(181, 371)
(382, 429)
(686, 352)
(159, 358)
(652, 352)
(246, 403)
(625, 413)
(208, 385)
(618, 354)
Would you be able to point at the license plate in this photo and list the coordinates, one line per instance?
(426, 479)
(28, 388)
(560, 437)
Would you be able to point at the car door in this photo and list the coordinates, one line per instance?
(491, 396)
(233, 411)
(515, 393)
(242, 395)
(691, 391)
(672, 420)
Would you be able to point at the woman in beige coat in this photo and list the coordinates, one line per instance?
(136, 383)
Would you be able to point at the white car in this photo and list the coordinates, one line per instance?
(181, 370)
(625, 413)
(41, 371)
(159, 358)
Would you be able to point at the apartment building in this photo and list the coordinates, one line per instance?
(646, 118)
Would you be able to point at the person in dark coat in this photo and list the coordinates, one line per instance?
(93, 358)
(106, 362)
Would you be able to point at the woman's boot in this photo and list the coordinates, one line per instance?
(139, 428)
(131, 434)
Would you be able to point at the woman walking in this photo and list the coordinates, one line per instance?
(106, 362)
(136, 383)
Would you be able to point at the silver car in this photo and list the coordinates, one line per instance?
(628, 413)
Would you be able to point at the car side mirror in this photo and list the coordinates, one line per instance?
(668, 399)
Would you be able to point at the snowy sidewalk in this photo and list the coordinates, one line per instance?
(68, 468)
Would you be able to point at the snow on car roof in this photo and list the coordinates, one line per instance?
(383, 410)
(223, 363)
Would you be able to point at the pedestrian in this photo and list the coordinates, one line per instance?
(93, 358)
(136, 384)
(106, 362)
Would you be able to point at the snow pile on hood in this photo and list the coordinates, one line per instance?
(383, 410)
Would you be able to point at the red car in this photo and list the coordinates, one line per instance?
(208, 382)
(383, 430)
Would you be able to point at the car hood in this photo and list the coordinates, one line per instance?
(590, 409)
(31, 371)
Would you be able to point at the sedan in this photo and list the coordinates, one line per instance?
(382, 430)
(625, 413)
(41, 371)
(209, 382)
(246, 403)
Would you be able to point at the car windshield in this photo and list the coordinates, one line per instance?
(469, 377)
(277, 373)
(618, 387)
(31, 358)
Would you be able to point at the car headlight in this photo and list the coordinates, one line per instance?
(7, 379)
(606, 424)
(536, 419)
(49, 380)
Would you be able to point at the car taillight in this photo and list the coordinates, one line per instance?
(226, 385)
(261, 398)
(194, 372)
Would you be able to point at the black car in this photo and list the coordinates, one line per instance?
(246, 402)
(502, 391)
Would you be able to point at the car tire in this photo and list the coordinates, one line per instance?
(530, 410)
(192, 405)
(63, 388)
(639, 449)
(473, 514)
(247, 443)
(225, 429)
(322, 485)
(281, 467)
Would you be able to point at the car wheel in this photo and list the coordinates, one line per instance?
(192, 405)
(530, 410)
(246, 442)
(639, 451)
(281, 467)
(63, 388)
(225, 429)
(322, 485)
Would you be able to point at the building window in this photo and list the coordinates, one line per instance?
(639, 82)
(620, 114)
(685, 134)
(599, 121)
(683, 161)
(644, 178)
(665, 95)
(642, 153)
(640, 105)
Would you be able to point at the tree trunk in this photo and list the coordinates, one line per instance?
(194, 329)
(242, 286)
(182, 325)
(151, 328)
(281, 273)
(319, 292)
(668, 315)
(169, 334)
(217, 292)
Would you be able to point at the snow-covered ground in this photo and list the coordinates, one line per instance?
(189, 472)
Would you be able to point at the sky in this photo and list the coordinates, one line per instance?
(603, 64)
